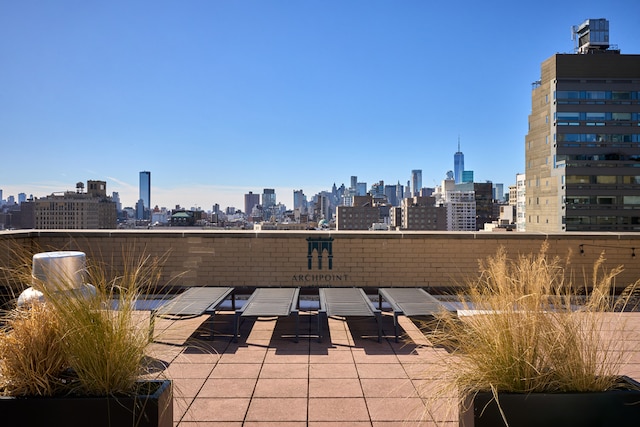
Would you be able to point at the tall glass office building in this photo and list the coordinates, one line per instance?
(416, 182)
(458, 165)
(145, 192)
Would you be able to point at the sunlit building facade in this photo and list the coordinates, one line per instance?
(582, 151)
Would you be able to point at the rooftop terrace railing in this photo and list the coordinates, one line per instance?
(310, 259)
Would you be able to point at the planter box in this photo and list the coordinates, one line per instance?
(154, 409)
(619, 407)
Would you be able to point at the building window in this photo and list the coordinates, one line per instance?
(631, 200)
(606, 200)
(577, 179)
(606, 179)
(631, 179)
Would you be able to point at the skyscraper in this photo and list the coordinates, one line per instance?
(299, 201)
(582, 151)
(354, 182)
(416, 182)
(268, 198)
(145, 193)
(250, 201)
(458, 165)
(268, 204)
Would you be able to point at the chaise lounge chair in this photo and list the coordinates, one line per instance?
(191, 303)
(409, 302)
(346, 302)
(269, 302)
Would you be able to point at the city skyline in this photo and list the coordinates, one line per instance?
(217, 99)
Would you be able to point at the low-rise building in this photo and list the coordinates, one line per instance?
(76, 210)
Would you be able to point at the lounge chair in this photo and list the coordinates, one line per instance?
(270, 302)
(346, 302)
(409, 302)
(193, 302)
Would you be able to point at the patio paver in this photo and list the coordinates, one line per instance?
(346, 380)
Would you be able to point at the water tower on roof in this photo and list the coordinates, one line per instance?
(591, 36)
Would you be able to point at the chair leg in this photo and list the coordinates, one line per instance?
(297, 326)
(320, 323)
(212, 328)
(395, 324)
(236, 332)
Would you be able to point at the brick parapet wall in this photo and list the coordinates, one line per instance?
(364, 259)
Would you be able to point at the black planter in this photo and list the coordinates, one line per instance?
(148, 409)
(615, 408)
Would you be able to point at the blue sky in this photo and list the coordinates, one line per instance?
(219, 98)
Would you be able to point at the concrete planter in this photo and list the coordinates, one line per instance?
(618, 407)
(148, 409)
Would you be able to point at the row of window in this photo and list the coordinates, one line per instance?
(564, 116)
(602, 200)
(597, 164)
(596, 95)
(601, 179)
(597, 137)
(572, 158)
(601, 220)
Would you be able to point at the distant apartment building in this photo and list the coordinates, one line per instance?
(361, 216)
(251, 200)
(485, 211)
(461, 211)
(582, 150)
(513, 193)
(421, 213)
(507, 215)
(80, 210)
(521, 202)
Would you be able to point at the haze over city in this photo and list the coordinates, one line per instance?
(217, 98)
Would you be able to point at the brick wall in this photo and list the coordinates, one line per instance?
(363, 259)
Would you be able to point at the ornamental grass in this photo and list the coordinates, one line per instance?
(524, 328)
(79, 343)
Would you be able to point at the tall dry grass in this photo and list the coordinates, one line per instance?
(32, 358)
(79, 343)
(530, 330)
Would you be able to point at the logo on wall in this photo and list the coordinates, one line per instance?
(320, 245)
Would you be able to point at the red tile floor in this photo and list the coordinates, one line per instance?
(348, 379)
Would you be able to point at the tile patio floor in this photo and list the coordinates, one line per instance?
(348, 379)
